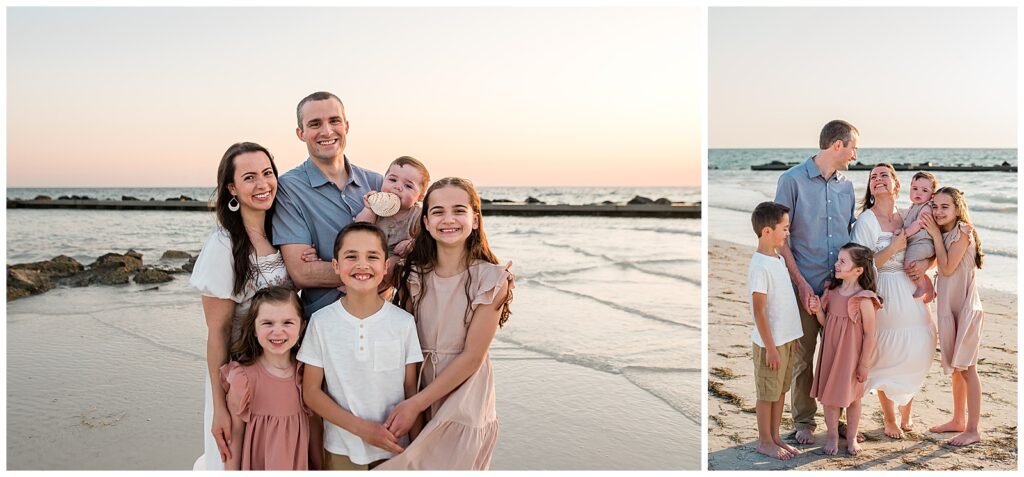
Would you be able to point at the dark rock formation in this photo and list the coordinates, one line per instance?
(502, 201)
(151, 275)
(533, 200)
(663, 201)
(175, 255)
(128, 197)
(180, 198)
(190, 265)
(640, 200)
(57, 267)
(607, 202)
(22, 283)
(43, 197)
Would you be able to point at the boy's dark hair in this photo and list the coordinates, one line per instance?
(767, 214)
(246, 348)
(364, 227)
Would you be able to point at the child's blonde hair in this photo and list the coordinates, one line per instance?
(962, 214)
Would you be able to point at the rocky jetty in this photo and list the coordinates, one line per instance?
(26, 279)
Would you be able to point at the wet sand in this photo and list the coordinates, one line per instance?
(111, 378)
(732, 428)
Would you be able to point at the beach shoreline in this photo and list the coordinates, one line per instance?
(732, 431)
(87, 374)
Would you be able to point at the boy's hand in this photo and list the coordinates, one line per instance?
(377, 435)
(310, 255)
(862, 373)
(773, 358)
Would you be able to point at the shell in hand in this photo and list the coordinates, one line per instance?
(384, 204)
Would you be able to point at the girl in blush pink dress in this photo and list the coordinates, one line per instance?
(960, 316)
(459, 295)
(847, 313)
(270, 426)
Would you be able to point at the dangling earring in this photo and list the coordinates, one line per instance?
(233, 204)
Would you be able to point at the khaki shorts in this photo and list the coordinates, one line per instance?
(771, 384)
(342, 462)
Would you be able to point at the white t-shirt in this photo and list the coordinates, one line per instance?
(768, 275)
(364, 367)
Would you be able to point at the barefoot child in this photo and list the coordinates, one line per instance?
(365, 349)
(776, 326)
(270, 428)
(960, 316)
(919, 243)
(847, 343)
(460, 295)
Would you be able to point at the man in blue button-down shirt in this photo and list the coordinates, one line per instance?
(821, 202)
(319, 197)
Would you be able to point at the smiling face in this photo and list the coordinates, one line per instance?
(845, 269)
(846, 154)
(921, 190)
(254, 184)
(278, 327)
(406, 182)
(777, 235)
(882, 181)
(324, 129)
(450, 218)
(944, 211)
(359, 261)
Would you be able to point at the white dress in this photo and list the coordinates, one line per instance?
(214, 276)
(906, 336)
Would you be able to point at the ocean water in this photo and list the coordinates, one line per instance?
(619, 296)
(734, 190)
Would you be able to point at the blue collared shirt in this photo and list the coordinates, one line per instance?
(820, 217)
(310, 209)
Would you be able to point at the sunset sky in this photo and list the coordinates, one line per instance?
(112, 97)
(906, 77)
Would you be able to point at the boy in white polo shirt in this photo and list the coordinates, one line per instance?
(776, 326)
(366, 349)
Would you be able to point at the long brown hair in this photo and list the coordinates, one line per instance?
(864, 258)
(423, 258)
(246, 348)
(241, 246)
(869, 199)
(963, 215)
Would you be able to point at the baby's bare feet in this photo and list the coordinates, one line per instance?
(831, 446)
(853, 448)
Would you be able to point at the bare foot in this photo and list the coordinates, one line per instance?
(805, 436)
(892, 430)
(965, 439)
(906, 419)
(951, 426)
(773, 451)
(792, 450)
(853, 448)
(831, 447)
(842, 433)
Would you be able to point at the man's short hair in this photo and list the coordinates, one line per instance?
(767, 214)
(317, 96)
(836, 130)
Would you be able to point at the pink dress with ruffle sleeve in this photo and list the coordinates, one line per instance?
(835, 378)
(958, 306)
(462, 428)
(277, 427)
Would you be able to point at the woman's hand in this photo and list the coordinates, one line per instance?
(899, 240)
(402, 417)
(222, 432)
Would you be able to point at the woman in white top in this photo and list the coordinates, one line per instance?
(237, 260)
(906, 333)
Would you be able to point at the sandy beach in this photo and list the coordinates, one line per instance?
(95, 383)
(732, 432)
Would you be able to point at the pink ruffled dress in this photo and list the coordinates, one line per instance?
(277, 424)
(462, 427)
(960, 316)
(835, 378)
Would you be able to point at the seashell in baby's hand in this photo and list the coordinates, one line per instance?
(384, 204)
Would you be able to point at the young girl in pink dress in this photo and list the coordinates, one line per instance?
(269, 424)
(960, 316)
(459, 295)
(847, 312)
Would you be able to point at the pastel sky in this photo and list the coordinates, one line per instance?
(906, 77)
(502, 96)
